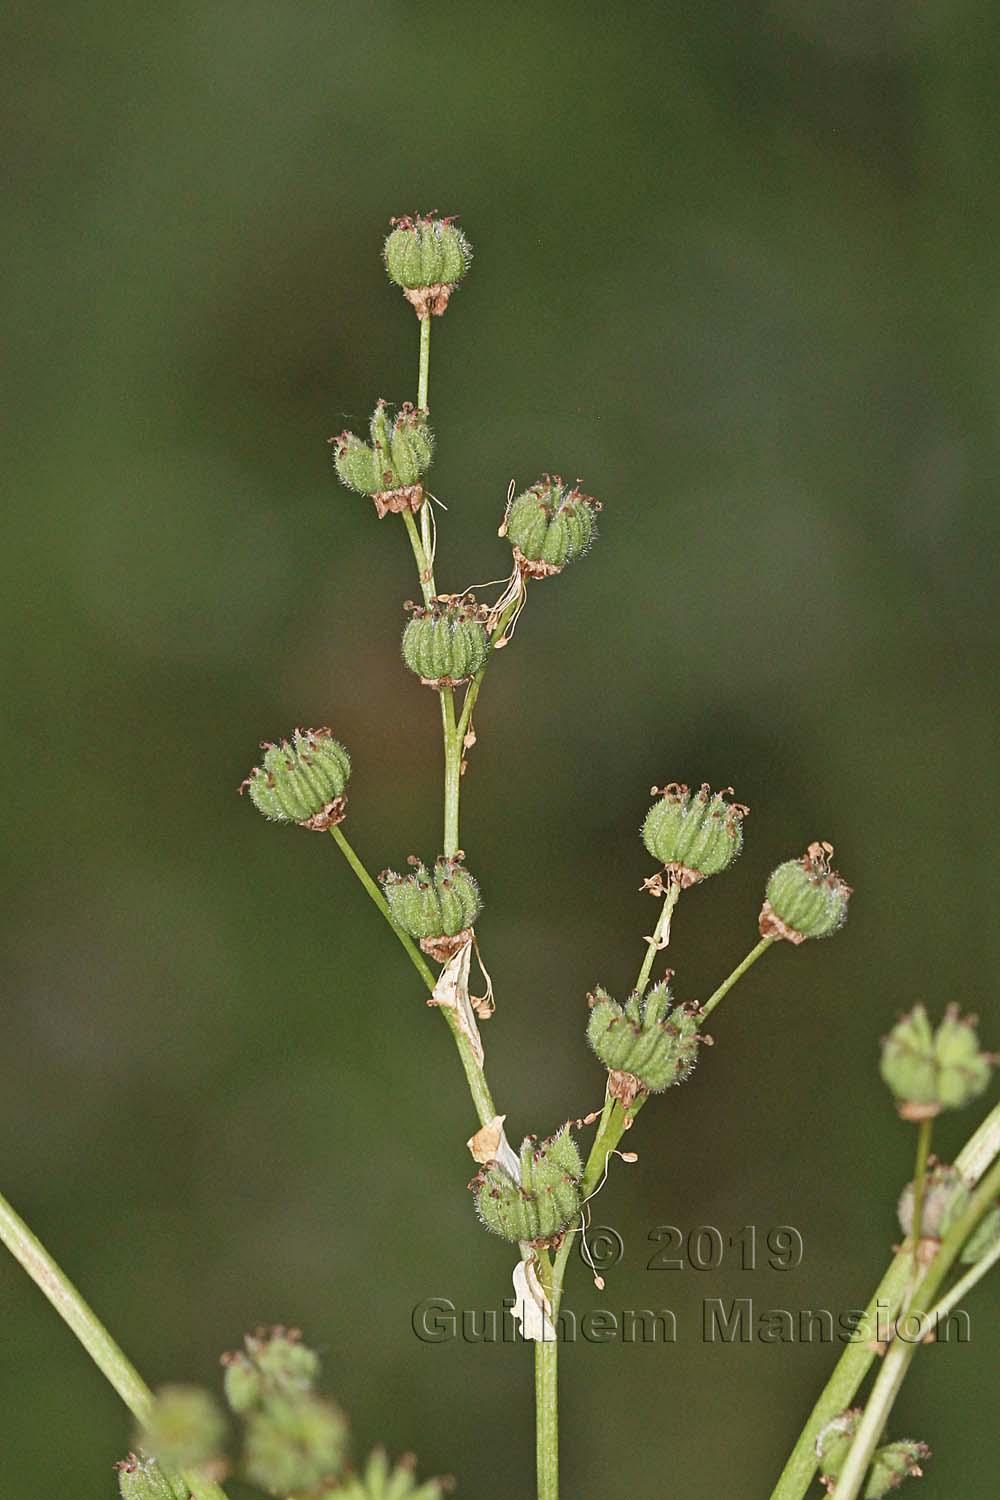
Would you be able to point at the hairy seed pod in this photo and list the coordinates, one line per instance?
(929, 1070)
(693, 834)
(544, 1201)
(272, 1362)
(805, 898)
(294, 1444)
(143, 1479)
(302, 780)
(434, 906)
(648, 1038)
(185, 1428)
(427, 257)
(945, 1198)
(891, 1464)
(549, 525)
(384, 1481)
(446, 643)
(389, 466)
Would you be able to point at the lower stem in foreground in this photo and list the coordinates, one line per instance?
(547, 1418)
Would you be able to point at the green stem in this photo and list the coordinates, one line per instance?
(424, 570)
(452, 772)
(547, 1418)
(962, 1288)
(902, 1349)
(738, 972)
(82, 1321)
(919, 1185)
(472, 691)
(424, 370)
(661, 935)
(982, 1147)
(474, 1074)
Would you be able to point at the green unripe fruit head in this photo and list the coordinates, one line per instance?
(302, 780)
(893, 1463)
(693, 834)
(805, 898)
(446, 643)
(294, 1444)
(833, 1441)
(929, 1070)
(549, 525)
(945, 1198)
(545, 1200)
(185, 1429)
(384, 1481)
(389, 466)
(438, 907)
(427, 257)
(646, 1045)
(143, 1479)
(273, 1362)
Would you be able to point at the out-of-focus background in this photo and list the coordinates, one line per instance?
(736, 268)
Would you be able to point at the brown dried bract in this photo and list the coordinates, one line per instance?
(531, 569)
(334, 812)
(394, 502)
(624, 1086)
(909, 1109)
(429, 300)
(441, 949)
(771, 926)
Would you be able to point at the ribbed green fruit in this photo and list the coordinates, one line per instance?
(693, 834)
(549, 525)
(546, 1199)
(273, 1362)
(424, 251)
(389, 466)
(928, 1070)
(294, 1443)
(891, 1464)
(446, 643)
(945, 1198)
(649, 1037)
(384, 1481)
(434, 903)
(143, 1479)
(805, 898)
(301, 780)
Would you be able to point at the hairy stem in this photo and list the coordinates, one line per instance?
(82, 1321)
(547, 1403)
(452, 773)
(738, 972)
(661, 935)
(424, 368)
(919, 1185)
(982, 1147)
(475, 1076)
(902, 1349)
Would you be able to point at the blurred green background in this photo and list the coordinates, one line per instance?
(736, 267)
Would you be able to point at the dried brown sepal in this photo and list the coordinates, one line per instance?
(624, 1087)
(429, 301)
(909, 1109)
(334, 812)
(395, 502)
(441, 949)
(530, 569)
(772, 926)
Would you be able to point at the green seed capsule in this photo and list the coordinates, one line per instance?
(805, 898)
(185, 1428)
(546, 1199)
(439, 907)
(389, 466)
(273, 1362)
(549, 525)
(945, 1198)
(383, 1481)
(294, 1444)
(891, 1464)
(143, 1479)
(649, 1038)
(928, 1070)
(302, 780)
(446, 643)
(694, 834)
(427, 257)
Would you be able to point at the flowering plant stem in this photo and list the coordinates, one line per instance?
(81, 1319)
(972, 1161)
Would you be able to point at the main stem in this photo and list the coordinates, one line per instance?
(81, 1319)
(982, 1148)
(919, 1187)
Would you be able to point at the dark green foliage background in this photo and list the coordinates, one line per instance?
(736, 267)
